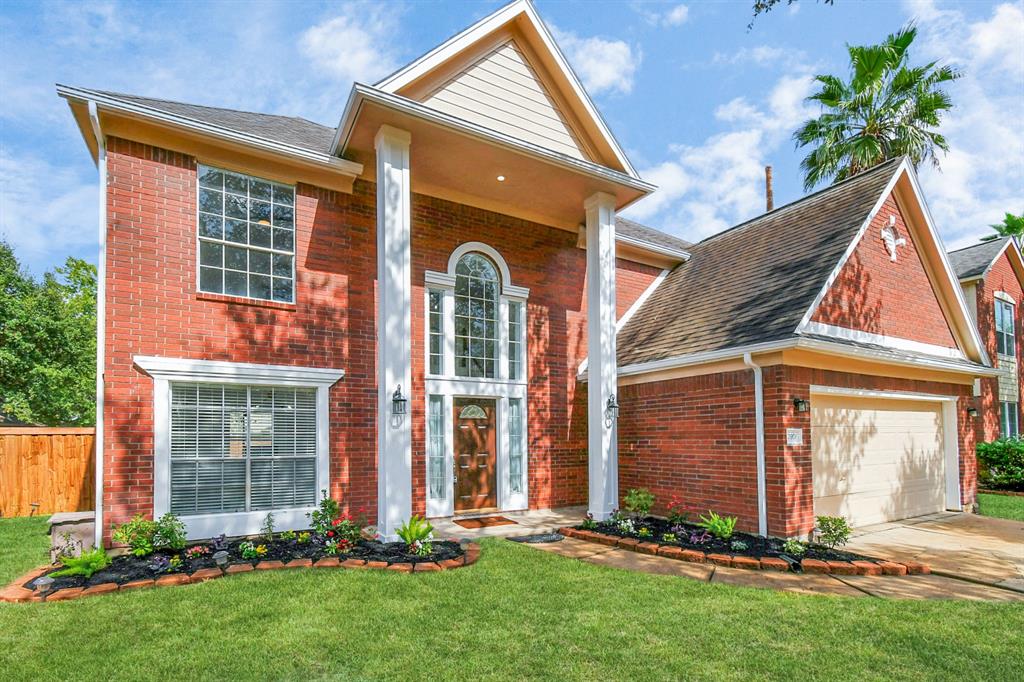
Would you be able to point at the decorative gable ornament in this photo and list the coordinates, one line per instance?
(892, 239)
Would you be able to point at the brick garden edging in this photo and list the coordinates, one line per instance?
(875, 567)
(17, 592)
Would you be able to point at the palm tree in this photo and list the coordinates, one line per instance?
(1012, 226)
(886, 110)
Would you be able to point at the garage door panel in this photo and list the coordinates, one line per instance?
(875, 459)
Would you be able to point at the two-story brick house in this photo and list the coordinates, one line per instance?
(434, 308)
(992, 276)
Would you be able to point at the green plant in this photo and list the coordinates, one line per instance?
(175, 562)
(833, 531)
(638, 501)
(248, 550)
(416, 529)
(722, 527)
(196, 552)
(668, 537)
(267, 529)
(302, 538)
(738, 546)
(137, 534)
(644, 532)
(1001, 463)
(169, 533)
(324, 515)
(588, 522)
(676, 513)
(794, 547)
(85, 565)
(288, 536)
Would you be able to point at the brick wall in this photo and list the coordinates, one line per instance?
(871, 291)
(694, 437)
(1001, 277)
(631, 281)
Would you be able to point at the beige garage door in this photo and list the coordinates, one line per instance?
(876, 459)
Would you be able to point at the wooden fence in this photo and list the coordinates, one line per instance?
(44, 470)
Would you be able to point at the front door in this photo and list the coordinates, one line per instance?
(475, 454)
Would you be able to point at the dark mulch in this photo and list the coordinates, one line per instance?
(128, 568)
(757, 546)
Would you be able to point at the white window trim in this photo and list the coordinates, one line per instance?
(500, 388)
(167, 370)
(1004, 432)
(1003, 297)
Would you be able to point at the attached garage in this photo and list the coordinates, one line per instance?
(882, 457)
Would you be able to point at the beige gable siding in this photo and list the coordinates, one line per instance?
(502, 92)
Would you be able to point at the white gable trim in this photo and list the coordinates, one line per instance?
(972, 337)
(479, 30)
(821, 329)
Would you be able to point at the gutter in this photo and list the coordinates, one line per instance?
(762, 496)
(101, 316)
(668, 251)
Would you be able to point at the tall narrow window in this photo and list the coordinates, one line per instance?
(246, 236)
(515, 445)
(436, 340)
(242, 448)
(1008, 417)
(515, 340)
(435, 447)
(1005, 328)
(476, 317)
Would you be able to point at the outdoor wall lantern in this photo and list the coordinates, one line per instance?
(611, 411)
(398, 401)
(972, 412)
(801, 405)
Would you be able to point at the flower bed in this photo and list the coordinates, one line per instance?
(690, 542)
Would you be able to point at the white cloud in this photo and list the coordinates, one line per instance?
(603, 65)
(982, 176)
(352, 47)
(763, 56)
(675, 15)
(43, 207)
(705, 188)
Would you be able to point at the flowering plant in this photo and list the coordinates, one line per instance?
(337, 545)
(196, 551)
(251, 550)
(302, 538)
(626, 526)
(676, 513)
(588, 522)
(700, 538)
(644, 532)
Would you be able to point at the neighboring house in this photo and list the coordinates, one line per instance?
(433, 308)
(991, 274)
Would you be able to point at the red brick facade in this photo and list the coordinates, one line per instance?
(871, 292)
(1001, 277)
(631, 281)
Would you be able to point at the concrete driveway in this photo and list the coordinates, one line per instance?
(965, 546)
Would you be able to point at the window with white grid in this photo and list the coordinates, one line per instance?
(515, 340)
(246, 236)
(515, 445)
(435, 447)
(436, 340)
(476, 317)
(241, 448)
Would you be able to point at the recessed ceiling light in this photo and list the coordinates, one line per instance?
(501, 178)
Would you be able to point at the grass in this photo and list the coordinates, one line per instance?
(1001, 506)
(518, 613)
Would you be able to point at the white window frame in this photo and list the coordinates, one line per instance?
(1000, 302)
(500, 388)
(1009, 409)
(164, 371)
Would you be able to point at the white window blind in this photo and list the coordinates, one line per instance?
(242, 448)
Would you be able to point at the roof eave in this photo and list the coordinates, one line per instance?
(661, 250)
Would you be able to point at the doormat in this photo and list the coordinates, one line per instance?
(485, 522)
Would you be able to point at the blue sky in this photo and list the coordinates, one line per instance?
(700, 103)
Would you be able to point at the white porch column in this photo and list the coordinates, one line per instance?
(394, 329)
(601, 364)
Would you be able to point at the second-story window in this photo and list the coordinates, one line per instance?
(476, 317)
(246, 236)
(1006, 342)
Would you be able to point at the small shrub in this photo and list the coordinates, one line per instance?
(794, 547)
(176, 562)
(644, 532)
(250, 550)
(738, 546)
(169, 533)
(85, 565)
(588, 522)
(722, 527)
(267, 529)
(638, 501)
(1001, 464)
(676, 513)
(417, 533)
(288, 536)
(833, 531)
(302, 538)
(324, 515)
(137, 534)
(668, 537)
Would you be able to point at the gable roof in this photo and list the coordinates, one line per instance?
(753, 283)
(642, 233)
(972, 262)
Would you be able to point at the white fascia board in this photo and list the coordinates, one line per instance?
(488, 24)
(736, 352)
(173, 120)
(894, 342)
(677, 254)
(183, 369)
(867, 393)
(364, 93)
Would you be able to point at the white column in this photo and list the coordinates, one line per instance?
(394, 329)
(601, 364)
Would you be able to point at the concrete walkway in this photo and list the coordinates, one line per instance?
(907, 587)
(968, 546)
(532, 522)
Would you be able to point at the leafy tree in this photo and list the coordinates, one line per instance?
(885, 110)
(48, 342)
(1012, 226)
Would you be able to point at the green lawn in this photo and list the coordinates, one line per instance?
(518, 613)
(1001, 506)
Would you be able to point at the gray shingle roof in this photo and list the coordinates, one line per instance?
(635, 230)
(973, 261)
(287, 129)
(754, 282)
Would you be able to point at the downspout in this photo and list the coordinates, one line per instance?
(101, 286)
(762, 496)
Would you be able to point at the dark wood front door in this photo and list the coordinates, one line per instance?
(475, 454)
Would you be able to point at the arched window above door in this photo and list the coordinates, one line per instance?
(477, 289)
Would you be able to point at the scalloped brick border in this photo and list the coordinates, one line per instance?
(876, 567)
(16, 592)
